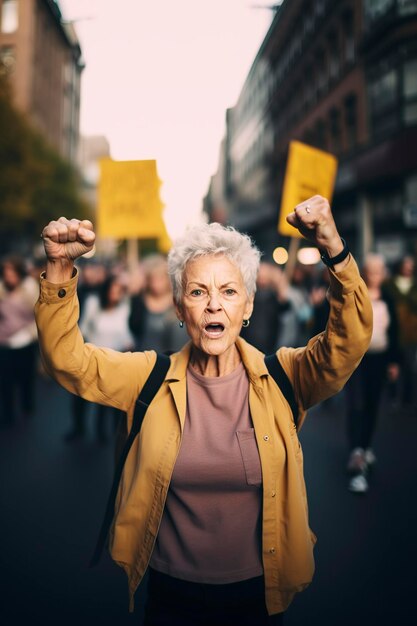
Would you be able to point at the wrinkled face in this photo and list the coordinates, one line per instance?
(214, 303)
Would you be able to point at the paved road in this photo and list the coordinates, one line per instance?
(52, 496)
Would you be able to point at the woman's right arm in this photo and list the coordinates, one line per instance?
(97, 374)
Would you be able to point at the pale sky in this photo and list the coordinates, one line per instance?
(159, 77)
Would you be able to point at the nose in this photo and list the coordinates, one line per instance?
(213, 303)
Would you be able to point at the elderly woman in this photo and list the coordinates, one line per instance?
(212, 498)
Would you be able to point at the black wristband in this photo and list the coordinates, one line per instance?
(331, 261)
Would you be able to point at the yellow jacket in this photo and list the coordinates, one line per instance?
(316, 371)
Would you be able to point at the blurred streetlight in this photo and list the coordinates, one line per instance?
(308, 256)
(280, 256)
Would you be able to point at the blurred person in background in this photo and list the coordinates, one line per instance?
(364, 389)
(152, 320)
(104, 322)
(319, 302)
(320, 309)
(295, 319)
(212, 496)
(402, 287)
(269, 303)
(18, 339)
(92, 274)
(36, 266)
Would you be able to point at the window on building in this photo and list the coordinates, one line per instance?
(308, 137)
(308, 87)
(321, 72)
(411, 189)
(334, 56)
(321, 134)
(375, 9)
(351, 120)
(308, 18)
(320, 6)
(383, 102)
(349, 38)
(9, 16)
(335, 130)
(410, 92)
(407, 7)
(383, 91)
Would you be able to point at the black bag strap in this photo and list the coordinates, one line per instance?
(153, 383)
(278, 374)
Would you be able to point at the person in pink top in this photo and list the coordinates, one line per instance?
(212, 501)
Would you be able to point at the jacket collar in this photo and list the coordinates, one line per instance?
(253, 362)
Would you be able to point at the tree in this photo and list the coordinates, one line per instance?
(36, 183)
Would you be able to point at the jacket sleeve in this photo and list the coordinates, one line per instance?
(321, 368)
(97, 374)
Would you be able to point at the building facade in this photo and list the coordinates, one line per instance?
(340, 76)
(41, 54)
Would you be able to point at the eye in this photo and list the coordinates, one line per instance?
(196, 292)
(230, 292)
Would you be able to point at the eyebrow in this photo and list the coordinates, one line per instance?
(194, 282)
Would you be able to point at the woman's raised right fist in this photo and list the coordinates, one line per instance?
(67, 239)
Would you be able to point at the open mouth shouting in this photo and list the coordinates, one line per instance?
(214, 330)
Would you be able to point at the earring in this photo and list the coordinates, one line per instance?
(181, 324)
(245, 323)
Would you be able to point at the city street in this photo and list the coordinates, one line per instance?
(53, 495)
(199, 162)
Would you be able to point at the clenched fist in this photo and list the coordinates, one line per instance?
(314, 219)
(64, 241)
(68, 239)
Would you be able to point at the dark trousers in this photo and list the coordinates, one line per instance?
(403, 390)
(17, 380)
(175, 602)
(363, 396)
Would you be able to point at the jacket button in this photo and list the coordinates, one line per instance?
(266, 437)
(62, 293)
(272, 550)
(273, 494)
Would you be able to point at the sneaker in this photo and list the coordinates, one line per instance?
(370, 457)
(358, 484)
(357, 462)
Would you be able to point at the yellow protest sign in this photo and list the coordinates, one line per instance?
(309, 171)
(164, 241)
(129, 204)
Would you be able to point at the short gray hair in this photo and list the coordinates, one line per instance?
(213, 239)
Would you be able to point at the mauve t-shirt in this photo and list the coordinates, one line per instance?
(211, 526)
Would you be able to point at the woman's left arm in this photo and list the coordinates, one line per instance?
(320, 369)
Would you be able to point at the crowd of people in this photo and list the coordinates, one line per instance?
(135, 311)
